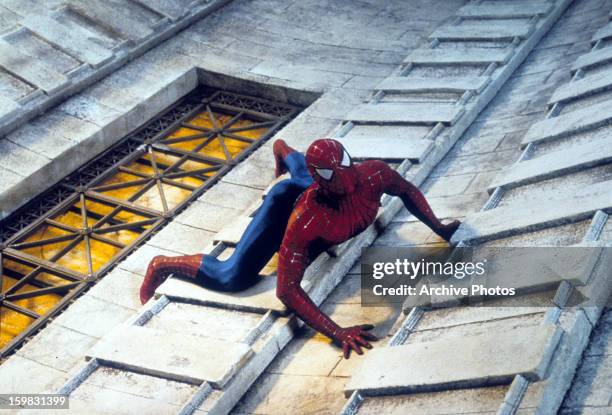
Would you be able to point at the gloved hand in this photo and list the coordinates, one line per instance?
(354, 337)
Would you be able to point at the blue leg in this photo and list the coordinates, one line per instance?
(263, 236)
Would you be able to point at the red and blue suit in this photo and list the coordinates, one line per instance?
(328, 200)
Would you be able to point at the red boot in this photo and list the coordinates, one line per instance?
(280, 150)
(161, 267)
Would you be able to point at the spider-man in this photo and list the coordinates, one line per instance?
(327, 200)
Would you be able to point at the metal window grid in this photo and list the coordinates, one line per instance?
(100, 206)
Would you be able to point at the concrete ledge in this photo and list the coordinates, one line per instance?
(475, 361)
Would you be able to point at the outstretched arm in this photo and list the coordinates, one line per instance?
(294, 257)
(414, 200)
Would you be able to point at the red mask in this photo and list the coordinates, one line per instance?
(331, 167)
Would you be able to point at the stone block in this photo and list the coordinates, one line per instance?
(603, 33)
(57, 347)
(207, 216)
(7, 107)
(230, 195)
(92, 316)
(76, 42)
(138, 261)
(491, 31)
(176, 356)
(386, 142)
(404, 113)
(34, 71)
(483, 401)
(182, 238)
(22, 375)
(582, 87)
(174, 9)
(128, 22)
(150, 387)
(261, 297)
(504, 10)
(571, 158)
(411, 84)
(537, 214)
(198, 320)
(232, 233)
(92, 399)
(468, 56)
(594, 58)
(485, 360)
(119, 287)
(572, 122)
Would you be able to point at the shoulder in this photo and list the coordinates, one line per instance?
(307, 215)
(374, 173)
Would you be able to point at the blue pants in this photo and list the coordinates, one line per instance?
(263, 236)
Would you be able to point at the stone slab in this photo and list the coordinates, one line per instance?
(536, 213)
(32, 70)
(7, 106)
(261, 297)
(492, 31)
(75, 42)
(404, 113)
(603, 33)
(579, 120)
(170, 8)
(175, 356)
(582, 87)
(115, 17)
(570, 159)
(504, 10)
(474, 361)
(597, 57)
(390, 148)
(407, 84)
(468, 56)
(232, 233)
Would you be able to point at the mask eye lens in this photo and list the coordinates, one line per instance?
(325, 173)
(346, 159)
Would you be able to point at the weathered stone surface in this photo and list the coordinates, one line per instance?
(182, 238)
(197, 320)
(92, 399)
(150, 387)
(175, 356)
(404, 113)
(570, 159)
(504, 10)
(583, 87)
(138, 261)
(119, 287)
(483, 401)
(230, 195)
(492, 31)
(232, 233)
(432, 365)
(259, 298)
(459, 56)
(93, 316)
(7, 106)
(21, 375)
(597, 57)
(32, 70)
(408, 84)
(536, 214)
(174, 9)
(603, 33)
(57, 347)
(571, 122)
(591, 385)
(77, 42)
(385, 143)
(207, 216)
(117, 16)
